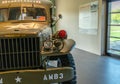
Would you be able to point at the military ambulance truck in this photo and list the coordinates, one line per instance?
(30, 53)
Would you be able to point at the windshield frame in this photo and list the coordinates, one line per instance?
(25, 6)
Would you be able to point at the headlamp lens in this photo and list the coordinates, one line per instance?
(48, 45)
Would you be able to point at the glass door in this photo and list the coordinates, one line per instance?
(113, 37)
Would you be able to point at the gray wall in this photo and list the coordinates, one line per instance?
(70, 22)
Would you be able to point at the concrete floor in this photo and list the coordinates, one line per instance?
(93, 69)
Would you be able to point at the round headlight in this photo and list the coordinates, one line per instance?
(59, 44)
(48, 45)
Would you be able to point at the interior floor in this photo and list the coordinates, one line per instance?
(93, 69)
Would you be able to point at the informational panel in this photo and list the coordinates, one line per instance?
(88, 18)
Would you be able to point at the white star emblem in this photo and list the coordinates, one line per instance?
(1, 81)
(18, 79)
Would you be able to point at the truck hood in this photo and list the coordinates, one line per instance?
(21, 28)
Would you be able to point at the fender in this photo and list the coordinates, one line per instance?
(68, 45)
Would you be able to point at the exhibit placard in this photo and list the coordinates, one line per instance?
(88, 18)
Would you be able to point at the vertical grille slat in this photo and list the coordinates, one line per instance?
(1, 61)
(5, 56)
(32, 52)
(9, 50)
(29, 61)
(24, 54)
(36, 49)
(20, 40)
(19, 53)
(13, 47)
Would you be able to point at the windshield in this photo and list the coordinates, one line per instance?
(17, 13)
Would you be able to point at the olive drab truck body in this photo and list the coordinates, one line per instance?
(29, 52)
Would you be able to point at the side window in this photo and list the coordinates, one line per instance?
(14, 13)
(36, 13)
(3, 15)
(41, 14)
(31, 12)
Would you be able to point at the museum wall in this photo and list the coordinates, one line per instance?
(70, 22)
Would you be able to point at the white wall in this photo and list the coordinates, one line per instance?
(70, 22)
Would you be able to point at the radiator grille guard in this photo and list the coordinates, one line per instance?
(19, 53)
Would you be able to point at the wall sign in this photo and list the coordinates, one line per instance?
(88, 18)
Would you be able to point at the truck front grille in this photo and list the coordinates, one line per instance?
(19, 53)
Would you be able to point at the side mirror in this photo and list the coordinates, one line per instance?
(60, 16)
(55, 18)
(55, 21)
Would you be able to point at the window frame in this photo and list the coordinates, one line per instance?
(108, 28)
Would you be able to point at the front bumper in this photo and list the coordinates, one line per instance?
(39, 76)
